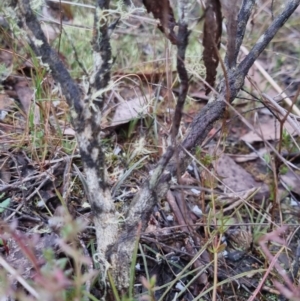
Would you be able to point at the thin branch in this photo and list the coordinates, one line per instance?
(266, 38)
(102, 49)
(154, 189)
(212, 32)
(242, 21)
(76, 56)
(163, 11)
(273, 83)
(20, 279)
(85, 118)
(212, 112)
(40, 46)
(182, 43)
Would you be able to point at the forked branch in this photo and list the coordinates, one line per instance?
(115, 244)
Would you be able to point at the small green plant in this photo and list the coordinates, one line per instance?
(267, 158)
(4, 72)
(132, 128)
(286, 141)
(283, 169)
(258, 220)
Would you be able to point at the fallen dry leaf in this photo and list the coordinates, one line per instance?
(18, 260)
(236, 177)
(6, 102)
(292, 180)
(26, 95)
(127, 111)
(69, 132)
(248, 157)
(269, 130)
(199, 95)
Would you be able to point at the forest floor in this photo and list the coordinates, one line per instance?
(240, 196)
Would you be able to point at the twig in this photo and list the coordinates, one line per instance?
(102, 50)
(243, 17)
(18, 185)
(36, 190)
(85, 116)
(182, 43)
(41, 47)
(153, 190)
(212, 112)
(19, 278)
(176, 210)
(14, 213)
(268, 35)
(267, 76)
(281, 114)
(66, 180)
(90, 267)
(274, 236)
(80, 64)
